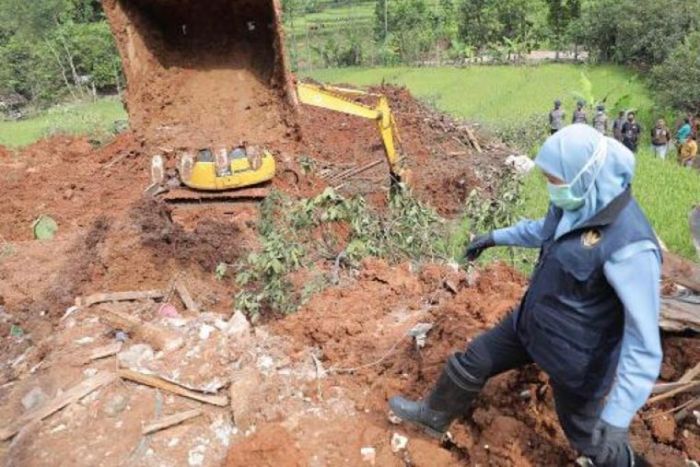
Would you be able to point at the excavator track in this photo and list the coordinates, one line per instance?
(186, 196)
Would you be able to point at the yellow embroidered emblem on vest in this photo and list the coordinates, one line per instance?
(590, 238)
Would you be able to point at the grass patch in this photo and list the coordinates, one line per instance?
(495, 95)
(84, 118)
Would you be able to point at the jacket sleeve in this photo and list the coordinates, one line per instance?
(634, 272)
(526, 233)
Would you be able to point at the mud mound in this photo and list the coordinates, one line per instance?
(211, 241)
(203, 72)
(360, 333)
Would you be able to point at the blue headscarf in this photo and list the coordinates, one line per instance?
(568, 151)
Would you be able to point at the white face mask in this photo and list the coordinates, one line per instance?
(563, 196)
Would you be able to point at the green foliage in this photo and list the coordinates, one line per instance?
(636, 31)
(677, 79)
(50, 49)
(293, 234)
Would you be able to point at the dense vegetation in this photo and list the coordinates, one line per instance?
(51, 49)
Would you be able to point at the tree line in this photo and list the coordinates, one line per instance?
(52, 49)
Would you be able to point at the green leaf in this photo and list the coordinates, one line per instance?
(45, 228)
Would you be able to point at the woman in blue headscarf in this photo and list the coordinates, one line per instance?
(590, 316)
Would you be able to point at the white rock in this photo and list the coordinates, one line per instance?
(33, 398)
(136, 357)
(90, 372)
(398, 442)
(85, 340)
(205, 331)
(238, 325)
(393, 418)
(195, 456)
(369, 454)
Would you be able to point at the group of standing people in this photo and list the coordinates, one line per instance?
(627, 130)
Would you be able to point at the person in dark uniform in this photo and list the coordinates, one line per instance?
(580, 113)
(556, 117)
(630, 132)
(589, 318)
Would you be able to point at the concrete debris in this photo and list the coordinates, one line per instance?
(195, 456)
(393, 418)
(116, 405)
(205, 331)
(420, 333)
(238, 325)
(137, 356)
(398, 442)
(33, 398)
(369, 455)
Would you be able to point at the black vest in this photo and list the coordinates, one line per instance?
(571, 320)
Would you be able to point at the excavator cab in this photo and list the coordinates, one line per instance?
(226, 169)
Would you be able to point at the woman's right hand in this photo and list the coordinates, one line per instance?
(478, 245)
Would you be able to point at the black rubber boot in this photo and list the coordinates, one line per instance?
(449, 399)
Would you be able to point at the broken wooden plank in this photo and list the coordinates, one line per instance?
(104, 352)
(119, 297)
(157, 382)
(472, 139)
(677, 315)
(690, 375)
(170, 421)
(660, 388)
(157, 337)
(185, 296)
(684, 388)
(72, 395)
(681, 271)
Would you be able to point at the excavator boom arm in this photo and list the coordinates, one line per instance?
(338, 99)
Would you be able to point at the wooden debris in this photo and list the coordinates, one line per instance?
(157, 382)
(170, 421)
(472, 139)
(681, 271)
(688, 409)
(661, 388)
(690, 374)
(158, 338)
(185, 296)
(119, 297)
(104, 352)
(673, 392)
(72, 395)
(677, 315)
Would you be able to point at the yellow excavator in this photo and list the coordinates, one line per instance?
(241, 172)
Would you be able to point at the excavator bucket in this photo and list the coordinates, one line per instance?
(201, 73)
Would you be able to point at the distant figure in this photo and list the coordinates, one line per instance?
(579, 113)
(660, 139)
(682, 134)
(630, 132)
(600, 120)
(689, 150)
(617, 125)
(556, 117)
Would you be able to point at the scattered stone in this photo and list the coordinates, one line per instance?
(136, 357)
(33, 398)
(205, 331)
(525, 395)
(68, 194)
(420, 333)
(85, 340)
(90, 372)
(266, 363)
(116, 405)
(398, 443)
(167, 310)
(238, 325)
(195, 456)
(393, 418)
(696, 414)
(584, 462)
(121, 336)
(369, 455)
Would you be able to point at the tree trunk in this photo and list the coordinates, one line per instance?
(63, 69)
(71, 63)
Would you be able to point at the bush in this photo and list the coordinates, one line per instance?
(636, 31)
(677, 80)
